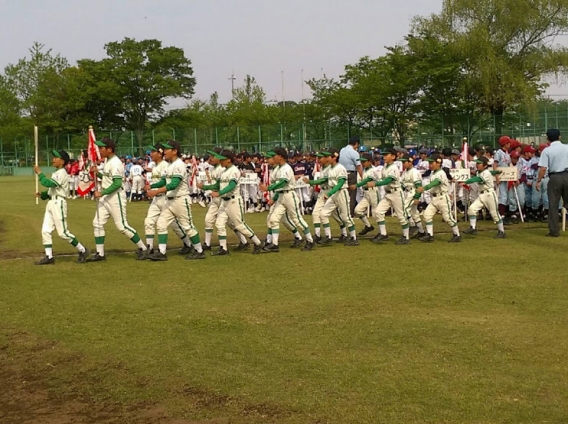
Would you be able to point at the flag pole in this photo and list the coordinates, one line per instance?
(36, 142)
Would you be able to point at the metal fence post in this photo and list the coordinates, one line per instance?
(1, 153)
(259, 139)
(132, 142)
(238, 139)
(47, 150)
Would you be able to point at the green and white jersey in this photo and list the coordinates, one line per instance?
(272, 174)
(488, 183)
(231, 173)
(158, 172)
(215, 173)
(113, 168)
(410, 179)
(285, 172)
(393, 172)
(177, 169)
(61, 178)
(369, 173)
(336, 173)
(444, 185)
(324, 173)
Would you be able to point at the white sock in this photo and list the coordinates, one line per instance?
(141, 245)
(297, 235)
(241, 237)
(353, 234)
(501, 227)
(344, 231)
(366, 221)
(275, 238)
(80, 248)
(473, 222)
(456, 230)
(150, 242)
(269, 238)
(100, 249)
(49, 252)
(255, 240)
(318, 231)
(186, 241)
(383, 229)
(223, 244)
(162, 248)
(198, 247)
(406, 232)
(309, 238)
(430, 229)
(327, 231)
(208, 235)
(420, 227)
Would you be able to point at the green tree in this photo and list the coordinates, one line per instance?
(135, 82)
(507, 47)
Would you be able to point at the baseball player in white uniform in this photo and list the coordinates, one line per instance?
(390, 179)
(55, 217)
(371, 196)
(177, 206)
(287, 202)
(112, 202)
(158, 172)
(232, 205)
(439, 186)
(137, 182)
(338, 199)
(411, 180)
(486, 198)
(214, 178)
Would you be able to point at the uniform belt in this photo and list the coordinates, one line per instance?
(228, 198)
(159, 195)
(438, 194)
(174, 197)
(58, 197)
(284, 191)
(556, 173)
(393, 190)
(485, 191)
(369, 189)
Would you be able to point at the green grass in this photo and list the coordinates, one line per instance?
(468, 333)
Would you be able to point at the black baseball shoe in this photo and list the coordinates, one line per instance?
(379, 238)
(515, 219)
(309, 246)
(206, 247)
(367, 230)
(186, 250)
(427, 238)
(297, 243)
(325, 241)
(96, 258)
(150, 249)
(413, 231)
(500, 235)
(351, 242)
(455, 239)
(196, 255)
(402, 241)
(220, 252)
(258, 248)
(317, 239)
(342, 239)
(242, 246)
(471, 231)
(418, 235)
(271, 248)
(45, 261)
(142, 254)
(83, 256)
(157, 256)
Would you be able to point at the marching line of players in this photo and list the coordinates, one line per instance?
(415, 186)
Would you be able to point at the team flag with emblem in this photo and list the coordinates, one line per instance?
(87, 179)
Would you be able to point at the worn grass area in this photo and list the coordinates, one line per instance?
(468, 333)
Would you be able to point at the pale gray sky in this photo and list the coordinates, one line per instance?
(257, 37)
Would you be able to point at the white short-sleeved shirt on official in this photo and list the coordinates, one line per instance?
(61, 178)
(285, 172)
(231, 173)
(391, 171)
(335, 174)
(443, 187)
(159, 172)
(177, 169)
(112, 168)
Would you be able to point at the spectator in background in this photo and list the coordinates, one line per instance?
(349, 158)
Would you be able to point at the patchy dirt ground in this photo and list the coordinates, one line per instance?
(27, 366)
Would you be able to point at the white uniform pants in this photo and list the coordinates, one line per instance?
(112, 206)
(177, 209)
(233, 210)
(410, 208)
(153, 215)
(440, 203)
(288, 205)
(370, 199)
(393, 199)
(487, 199)
(55, 218)
(137, 184)
(340, 202)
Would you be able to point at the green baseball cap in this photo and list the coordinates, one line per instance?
(270, 154)
(106, 142)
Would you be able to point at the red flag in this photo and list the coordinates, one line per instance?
(87, 179)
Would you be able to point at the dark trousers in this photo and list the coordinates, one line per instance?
(351, 180)
(557, 189)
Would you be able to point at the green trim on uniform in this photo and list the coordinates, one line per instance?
(326, 225)
(222, 237)
(195, 239)
(149, 236)
(162, 238)
(135, 238)
(48, 246)
(317, 225)
(189, 215)
(124, 223)
(207, 230)
(405, 226)
(179, 226)
(63, 222)
(100, 240)
(243, 217)
(301, 221)
(348, 213)
(453, 223)
(290, 221)
(74, 242)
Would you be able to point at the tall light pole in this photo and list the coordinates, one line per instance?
(232, 78)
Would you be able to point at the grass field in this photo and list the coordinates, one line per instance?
(475, 332)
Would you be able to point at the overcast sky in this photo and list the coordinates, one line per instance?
(262, 38)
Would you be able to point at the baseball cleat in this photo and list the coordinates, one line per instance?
(427, 238)
(297, 243)
(367, 230)
(309, 246)
(185, 250)
(418, 235)
(471, 231)
(325, 241)
(242, 246)
(257, 248)
(157, 256)
(271, 248)
(45, 261)
(206, 247)
(96, 258)
(413, 231)
(455, 239)
(220, 252)
(351, 242)
(196, 255)
(402, 241)
(83, 256)
(142, 254)
(500, 235)
(380, 238)
(342, 239)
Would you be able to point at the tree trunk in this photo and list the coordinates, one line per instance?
(498, 118)
(140, 137)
